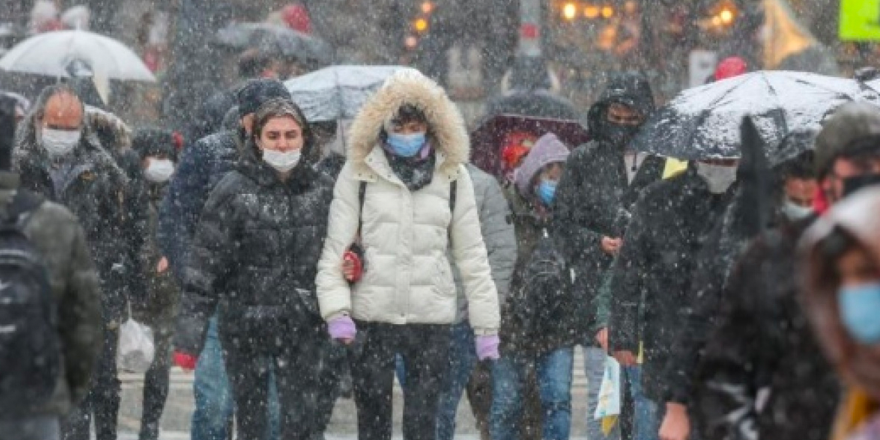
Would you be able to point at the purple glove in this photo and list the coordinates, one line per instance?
(342, 328)
(487, 347)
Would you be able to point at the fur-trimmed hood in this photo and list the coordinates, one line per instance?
(446, 127)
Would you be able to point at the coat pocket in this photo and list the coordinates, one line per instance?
(443, 281)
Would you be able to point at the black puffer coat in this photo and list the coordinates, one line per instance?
(763, 341)
(255, 253)
(594, 196)
(652, 275)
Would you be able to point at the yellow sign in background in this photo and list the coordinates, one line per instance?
(860, 20)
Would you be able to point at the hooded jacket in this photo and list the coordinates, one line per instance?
(542, 312)
(594, 197)
(857, 217)
(651, 277)
(96, 190)
(406, 234)
(255, 253)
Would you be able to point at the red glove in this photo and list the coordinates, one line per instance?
(185, 361)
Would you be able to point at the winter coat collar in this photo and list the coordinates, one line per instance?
(376, 166)
(446, 126)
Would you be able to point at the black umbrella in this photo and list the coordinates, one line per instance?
(704, 122)
(271, 38)
(537, 104)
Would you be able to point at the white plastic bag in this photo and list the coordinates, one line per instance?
(136, 348)
(609, 393)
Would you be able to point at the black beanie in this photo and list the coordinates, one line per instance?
(257, 91)
(154, 142)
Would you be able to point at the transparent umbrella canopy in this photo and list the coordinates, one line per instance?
(51, 54)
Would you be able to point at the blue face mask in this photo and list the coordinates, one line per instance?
(859, 310)
(547, 191)
(406, 145)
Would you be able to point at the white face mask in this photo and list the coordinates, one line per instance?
(59, 142)
(795, 212)
(282, 161)
(159, 170)
(718, 177)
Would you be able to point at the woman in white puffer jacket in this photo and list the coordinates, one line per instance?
(405, 188)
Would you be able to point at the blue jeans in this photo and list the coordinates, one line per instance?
(647, 424)
(554, 374)
(213, 396)
(462, 359)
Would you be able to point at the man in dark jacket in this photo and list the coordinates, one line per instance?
(601, 182)
(764, 370)
(58, 156)
(202, 165)
(60, 239)
(795, 187)
(255, 260)
(651, 276)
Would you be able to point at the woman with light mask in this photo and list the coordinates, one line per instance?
(157, 150)
(841, 272)
(254, 260)
(403, 199)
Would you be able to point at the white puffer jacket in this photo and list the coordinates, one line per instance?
(408, 277)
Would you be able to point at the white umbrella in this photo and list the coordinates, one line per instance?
(337, 92)
(51, 53)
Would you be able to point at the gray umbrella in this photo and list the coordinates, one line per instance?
(272, 38)
(704, 122)
(337, 92)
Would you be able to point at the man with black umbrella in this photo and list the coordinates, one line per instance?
(652, 274)
(763, 345)
(602, 180)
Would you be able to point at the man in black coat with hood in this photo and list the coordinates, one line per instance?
(602, 180)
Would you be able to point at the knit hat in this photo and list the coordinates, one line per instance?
(256, 92)
(851, 123)
(547, 150)
(730, 67)
(154, 142)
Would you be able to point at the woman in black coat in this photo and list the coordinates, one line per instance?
(254, 259)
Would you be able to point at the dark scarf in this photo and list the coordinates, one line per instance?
(415, 172)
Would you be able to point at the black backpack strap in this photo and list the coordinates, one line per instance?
(453, 193)
(362, 197)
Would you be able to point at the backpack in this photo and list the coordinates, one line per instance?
(30, 351)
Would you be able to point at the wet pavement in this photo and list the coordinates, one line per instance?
(343, 425)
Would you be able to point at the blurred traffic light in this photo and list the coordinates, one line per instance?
(569, 11)
(427, 7)
(607, 12)
(421, 25)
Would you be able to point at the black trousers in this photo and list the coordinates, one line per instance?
(293, 353)
(102, 399)
(424, 349)
(156, 380)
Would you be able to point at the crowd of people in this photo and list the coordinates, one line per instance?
(276, 268)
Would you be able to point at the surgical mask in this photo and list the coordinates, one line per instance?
(794, 212)
(547, 191)
(59, 142)
(618, 134)
(159, 170)
(282, 161)
(406, 145)
(859, 308)
(719, 178)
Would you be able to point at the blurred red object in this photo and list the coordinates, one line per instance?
(185, 361)
(501, 142)
(731, 67)
(297, 18)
